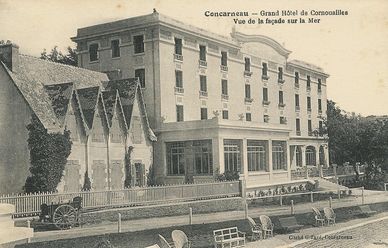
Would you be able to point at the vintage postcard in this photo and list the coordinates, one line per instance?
(128, 123)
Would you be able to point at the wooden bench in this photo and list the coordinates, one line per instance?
(289, 223)
(366, 211)
(228, 237)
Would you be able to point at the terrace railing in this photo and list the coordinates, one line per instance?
(29, 204)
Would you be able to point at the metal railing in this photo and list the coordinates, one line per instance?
(29, 204)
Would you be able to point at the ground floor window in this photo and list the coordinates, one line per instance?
(279, 155)
(257, 155)
(298, 156)
(203, 158)
(175, 158)
(232, 155)
(310, 155)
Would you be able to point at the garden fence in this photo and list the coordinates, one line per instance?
(29, 204)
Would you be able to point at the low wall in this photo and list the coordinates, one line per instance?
(172, 209)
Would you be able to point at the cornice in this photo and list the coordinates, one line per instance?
(261, 39)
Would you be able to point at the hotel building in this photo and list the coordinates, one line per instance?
(215, 103)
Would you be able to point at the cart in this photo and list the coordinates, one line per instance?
(62, 215)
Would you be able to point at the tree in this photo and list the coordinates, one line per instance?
(48, 157)
(354, 138)
(57, 56)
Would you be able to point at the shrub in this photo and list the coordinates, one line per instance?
(228, 176)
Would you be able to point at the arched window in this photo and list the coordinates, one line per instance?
(310, 156)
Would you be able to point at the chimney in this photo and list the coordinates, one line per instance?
(9, 54)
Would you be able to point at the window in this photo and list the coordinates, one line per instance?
(93, 52)
(319, 85)
(138, 44)
(281, 98)
(319, 105)
(179, 113)
(203, 113)
(178, 79)
(178, 46)
(264, 70)
(257, 157)
(308, 103)
(308, 82)
(279, 155)
(310, 155)
(202, 53)
(297, 78)
(115, 45)
(266, 118)
(140, 73)
(247, 64)
(225, 114)
(224, 58)
(280, 74)
(248, 116)
(320, 128)
(265, 94)
(232, 156)
(283, 120)
(203, 84)
(310, 127)
(297, 106)
(297, 125)
(247, 91)
(175, 158)
(203, 157)
(224, 87)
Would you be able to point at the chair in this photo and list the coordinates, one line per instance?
(257, 231)
(329, 215)
(180, 239)
(266, 225)
(318, 217)
(163, 242)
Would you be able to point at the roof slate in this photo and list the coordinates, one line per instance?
(60, 95)
(109, 99)
(48, 86)
(88, 101)
(126, 89)
(36, 70)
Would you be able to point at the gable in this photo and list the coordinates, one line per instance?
(60, 95)
(88, 99)
(72, 124)
(117, 128)
(137, 128)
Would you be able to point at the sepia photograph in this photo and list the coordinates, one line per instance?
(193, 124)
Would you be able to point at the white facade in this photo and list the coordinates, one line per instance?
(209, 110)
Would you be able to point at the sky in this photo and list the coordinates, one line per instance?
(353, 49)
